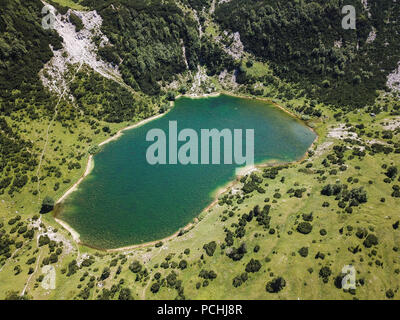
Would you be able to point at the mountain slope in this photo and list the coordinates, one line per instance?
(305, 43)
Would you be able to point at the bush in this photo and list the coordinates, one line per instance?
(182, 264)
(155, 287)
(94, 149)
(171, 279)
(47, 205)
(135, 266)
(303, 252)
(76, 21)
(105, 274)
(308, 217)
(237, 254)
(275, 285)
(170, 96)
(210, 248)
(325, 273)
(208, 275)
(158, 244)
(253, 266)
(44, 240)
(304, 227)
(370, 241)
(125, 294)
(391, 172)
(389, 294)
(237, 281)
(361, 233)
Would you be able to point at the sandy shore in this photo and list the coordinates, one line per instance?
(133, 126)
(239, 174)
(153, 243)
(219, 192)
(199, 96)
(66, 226)
(89, 168)
(90, 162)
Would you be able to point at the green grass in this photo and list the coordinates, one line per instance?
(70, 4)
(258, 69)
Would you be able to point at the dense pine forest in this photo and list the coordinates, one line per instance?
(298, 38)
(24, 48)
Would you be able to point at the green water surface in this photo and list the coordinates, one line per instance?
(126, 201)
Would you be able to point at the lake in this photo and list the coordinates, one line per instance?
(126, 201)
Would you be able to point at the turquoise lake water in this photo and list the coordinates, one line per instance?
(126, 201)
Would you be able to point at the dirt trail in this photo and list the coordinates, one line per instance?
(37, 261)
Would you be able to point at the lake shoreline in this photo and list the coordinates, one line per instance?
(218, 192)
(88, 170)
(90, 162)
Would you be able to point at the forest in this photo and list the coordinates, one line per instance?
(159, 40)
(105, 99)
(24, 48)
(150, 46)
(306, 44)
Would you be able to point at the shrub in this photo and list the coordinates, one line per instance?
(135, 266)
(325, 273)
(47, 205)
(171, 279)
(155, 287)
(183, 264)
(208, 275)
(210, 248)
(158, 244)
(304, 227)
(389, 294)
(44, 240)
(361, 233)
(370, 241)
(391, 172)
(170, 96)
(253, 266)
(125, 294)
(76, 21)
(237, 254)
(94, 149)
(237, 281)
(308, 216)
(303, 252)
(105, 274)
(275, 285)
